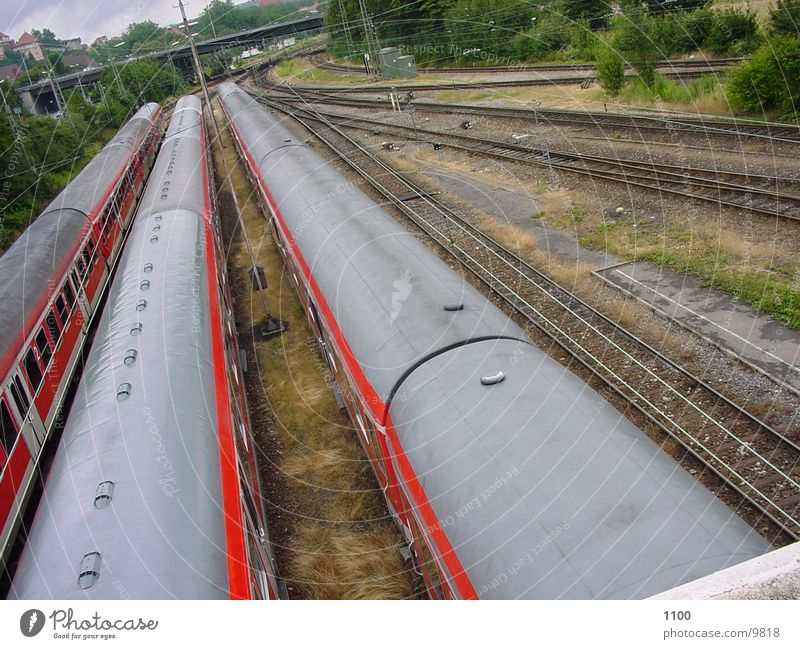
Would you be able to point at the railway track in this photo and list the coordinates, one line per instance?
(769, 195)
(612, 122)
(544, 67)
(751, 457)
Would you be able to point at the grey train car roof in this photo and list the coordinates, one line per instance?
(543, 489)
(386, 290)
(27, 267)
(546, 491)
(163, 534)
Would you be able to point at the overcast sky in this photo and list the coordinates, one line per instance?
(87, 18)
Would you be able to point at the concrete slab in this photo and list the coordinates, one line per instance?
(734, 326)
(775, 575)
(517, 208)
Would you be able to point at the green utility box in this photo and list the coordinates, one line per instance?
(406, 67)
(387, 61)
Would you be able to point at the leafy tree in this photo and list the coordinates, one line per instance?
(784, 18)
(731, 30)
(611, 72)
(770, 80)
(636, 39)
(143, 36)
(144, 80)
(45, 35)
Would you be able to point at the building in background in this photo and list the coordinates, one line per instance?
(28, 45)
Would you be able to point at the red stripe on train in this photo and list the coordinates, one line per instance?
(238, 581)
(376, 404)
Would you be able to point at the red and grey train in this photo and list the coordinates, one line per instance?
(510, 477)
(51, 281)
(154, 491)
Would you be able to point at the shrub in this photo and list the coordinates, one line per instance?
(770, 80)
(611, 72)
(733, 30)
(784, 18)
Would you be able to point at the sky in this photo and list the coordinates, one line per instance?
(88, 19)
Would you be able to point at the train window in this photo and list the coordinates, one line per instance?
(20, 396)
(87, 257)
(32, 370)
(431, 570)
(61, 308)
(70, 295)
(53, 327)
(8, 433)
(43, 345)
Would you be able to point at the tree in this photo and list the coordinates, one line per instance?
(637, 41)
(145, 80)
(770, 80)
(143, 36)
(731, 29)
(611, 72)
(45, 35)
(784, 18)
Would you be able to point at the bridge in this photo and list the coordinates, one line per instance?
(39, 98)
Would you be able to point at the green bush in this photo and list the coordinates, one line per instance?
(784, 18)
(611, 72)
(770, 80)
(733, 31)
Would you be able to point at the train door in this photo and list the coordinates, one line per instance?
(81, 301)
(20, 403)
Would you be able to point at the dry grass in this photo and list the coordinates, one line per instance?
(328, 522)
(328, 558)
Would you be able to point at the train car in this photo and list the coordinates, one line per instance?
(154, 492)
(51, 281)
(510, 477)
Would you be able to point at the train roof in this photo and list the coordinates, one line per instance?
(545, 491)
(29, 266)
(387, 292)
(163, 533)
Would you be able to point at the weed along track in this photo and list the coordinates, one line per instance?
(332, 534)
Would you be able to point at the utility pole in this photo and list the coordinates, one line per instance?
(346, 26)
(369, 33)
(199, 71)
(272, 326)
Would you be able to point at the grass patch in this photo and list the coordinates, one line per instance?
(752, 271)
(328, 522)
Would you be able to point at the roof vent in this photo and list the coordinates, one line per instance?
(136, 328)
(154, 239)
(455, 306)
(104, 494)
(141, 305)
(130, 357)
(144, 285)
(156, 227)
(123, 391)
(493, 379)
(90, 569)
(148, 268)
(158, 217)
